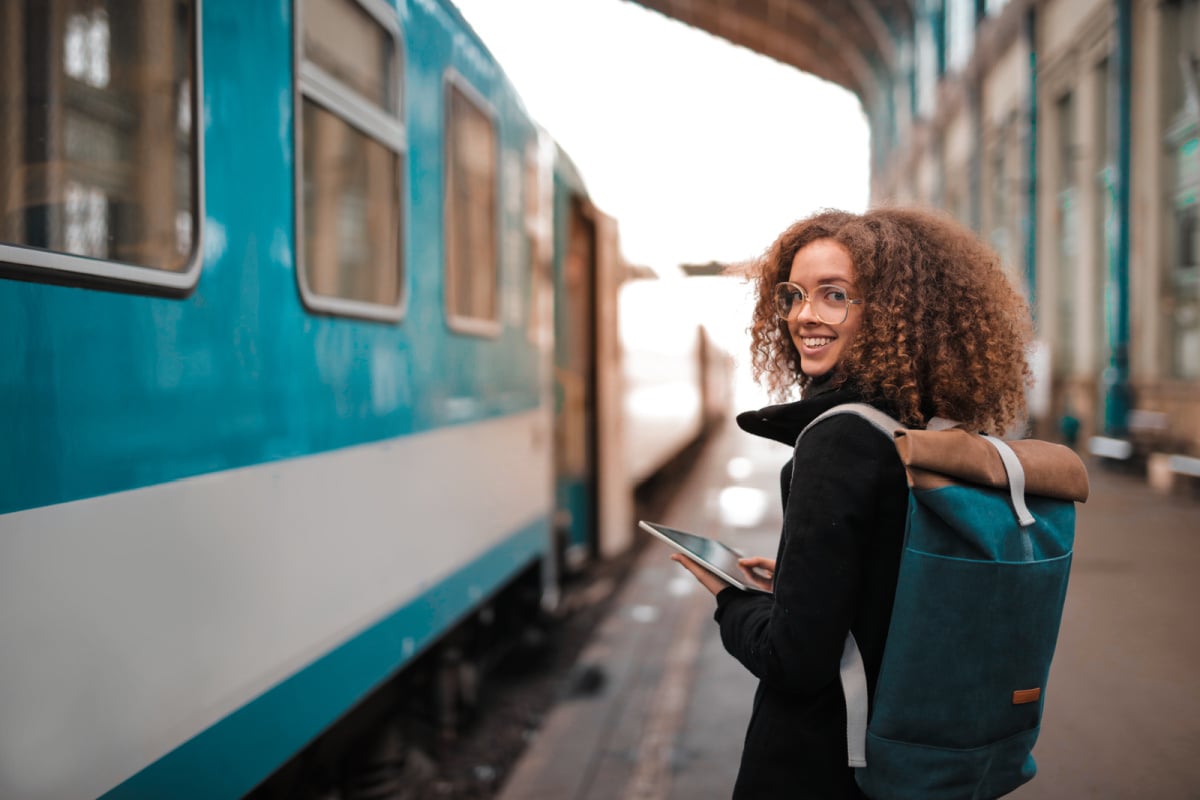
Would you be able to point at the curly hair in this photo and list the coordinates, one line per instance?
(944, 333)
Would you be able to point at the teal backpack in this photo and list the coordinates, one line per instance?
(983, 577)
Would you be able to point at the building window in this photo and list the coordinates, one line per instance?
(86, 54)
(960, 33)
(1103, 211)
(1067, 229)
(926, 70)
(1001, 185)
(470, 222)
(351, 142)
(99, 160)
(1181, 281)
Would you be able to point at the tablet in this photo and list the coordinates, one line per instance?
(719, 559)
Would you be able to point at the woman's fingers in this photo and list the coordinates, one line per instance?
(706, 578)
(759, 571)
(763, 566)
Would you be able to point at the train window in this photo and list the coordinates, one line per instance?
(472, 303)
(351, 142)
(99, 153)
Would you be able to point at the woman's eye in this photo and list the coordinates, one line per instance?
(835, 294)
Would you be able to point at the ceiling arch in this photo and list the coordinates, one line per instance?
(852, 43)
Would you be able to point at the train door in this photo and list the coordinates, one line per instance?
(575, 385)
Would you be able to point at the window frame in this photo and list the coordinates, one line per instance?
(58, 267)
(312, 83)
(473, 326)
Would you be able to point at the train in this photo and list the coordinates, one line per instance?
(314, 375)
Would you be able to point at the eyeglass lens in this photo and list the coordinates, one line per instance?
(829, 303)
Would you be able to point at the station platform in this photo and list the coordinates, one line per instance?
(668, 707)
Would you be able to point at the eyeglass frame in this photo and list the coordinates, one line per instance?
(805, 297)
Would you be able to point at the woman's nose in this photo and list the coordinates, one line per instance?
(802, 310)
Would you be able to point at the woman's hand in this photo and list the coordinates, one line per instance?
(707, 579)
(759, 572)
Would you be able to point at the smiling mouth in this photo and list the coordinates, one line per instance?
(816, 341)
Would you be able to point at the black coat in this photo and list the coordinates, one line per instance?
(844, 497)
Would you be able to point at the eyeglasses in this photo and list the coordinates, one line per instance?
(829, 303)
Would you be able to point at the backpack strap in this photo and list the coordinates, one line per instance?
(854, 688)
(853, 672)
(886, 424)
(1016, 479)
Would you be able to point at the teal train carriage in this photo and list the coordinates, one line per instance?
(311, 378)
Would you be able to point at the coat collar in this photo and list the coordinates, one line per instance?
(783, 423)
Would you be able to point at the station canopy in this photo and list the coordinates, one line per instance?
(852, 43)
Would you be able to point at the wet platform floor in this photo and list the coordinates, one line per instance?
(666, 707)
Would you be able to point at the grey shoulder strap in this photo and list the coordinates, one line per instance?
(854, 688)
(880, 420)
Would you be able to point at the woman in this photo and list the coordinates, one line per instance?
(909, 312)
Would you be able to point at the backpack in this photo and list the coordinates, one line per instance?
(983, 577)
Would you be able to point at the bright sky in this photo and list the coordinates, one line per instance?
(702, 150)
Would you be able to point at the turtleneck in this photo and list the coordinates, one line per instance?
(818, 386)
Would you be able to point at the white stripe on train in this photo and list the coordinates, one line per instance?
(133, 621)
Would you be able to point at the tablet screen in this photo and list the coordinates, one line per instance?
(717, 557)
(715, 553)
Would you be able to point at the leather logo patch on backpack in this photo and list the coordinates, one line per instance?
(1022, 696)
